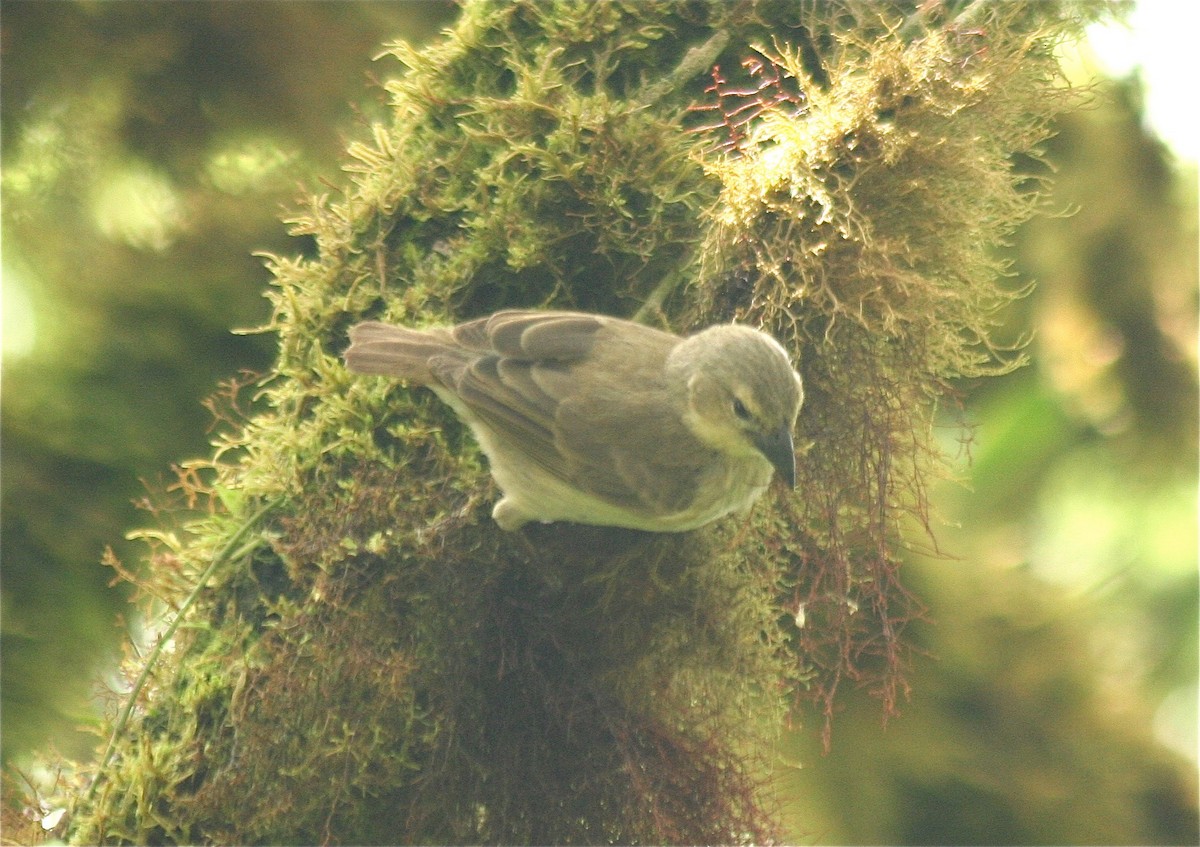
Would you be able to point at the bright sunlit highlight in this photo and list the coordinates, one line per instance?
(18, 316)
(139, 206)
(1159, 42)
(248, 165)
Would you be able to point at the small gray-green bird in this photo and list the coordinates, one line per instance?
(598, 420)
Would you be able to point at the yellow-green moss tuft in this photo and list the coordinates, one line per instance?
(377, 662)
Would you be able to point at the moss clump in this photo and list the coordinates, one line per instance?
(379, 663)
(860, 213)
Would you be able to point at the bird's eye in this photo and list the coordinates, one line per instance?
(739, 409)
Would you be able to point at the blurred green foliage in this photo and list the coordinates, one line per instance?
(1057, 700)
(147, 148)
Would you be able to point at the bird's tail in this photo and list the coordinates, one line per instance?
(379, 348)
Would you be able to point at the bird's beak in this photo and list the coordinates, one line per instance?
(780, 452)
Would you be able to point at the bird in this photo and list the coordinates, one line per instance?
(593, 419)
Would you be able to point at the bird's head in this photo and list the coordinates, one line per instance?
(741, 393)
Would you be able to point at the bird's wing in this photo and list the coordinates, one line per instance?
(635, 452)
(515, 382)
(501, 394)
(581, 396)
(548, 336)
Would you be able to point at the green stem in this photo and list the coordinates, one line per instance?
(222, 556)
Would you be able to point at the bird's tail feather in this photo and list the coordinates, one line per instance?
(379, 348)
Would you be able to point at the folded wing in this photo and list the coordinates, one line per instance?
(580, 396)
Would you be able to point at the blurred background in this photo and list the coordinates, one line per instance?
(150, 149)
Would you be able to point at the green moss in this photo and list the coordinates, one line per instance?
(379, 663)
(862, 215)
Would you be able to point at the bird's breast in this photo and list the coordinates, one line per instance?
(733, 484)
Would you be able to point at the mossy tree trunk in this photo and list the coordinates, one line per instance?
(371, 660)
